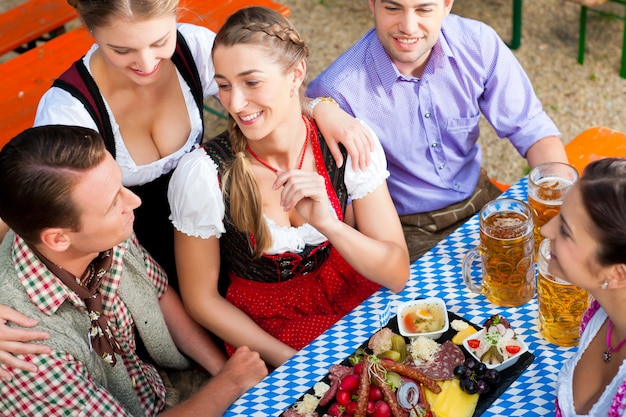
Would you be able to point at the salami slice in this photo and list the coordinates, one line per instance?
(446, 358)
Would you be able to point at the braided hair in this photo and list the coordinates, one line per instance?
(282, 43)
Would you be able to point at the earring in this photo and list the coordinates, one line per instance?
(605, 285)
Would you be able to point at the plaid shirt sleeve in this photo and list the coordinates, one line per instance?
(61, 387)
(155, 272)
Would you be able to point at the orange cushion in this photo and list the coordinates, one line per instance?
(595, 143)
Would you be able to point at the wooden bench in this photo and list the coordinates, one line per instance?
(32, 20)
(25, 78)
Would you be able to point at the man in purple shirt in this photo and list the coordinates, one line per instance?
(421, 79)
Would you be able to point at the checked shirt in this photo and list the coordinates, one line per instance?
(62, 385)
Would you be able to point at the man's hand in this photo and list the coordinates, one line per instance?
(245, 367)
(337, 126)
(240, 373)
(12, 341)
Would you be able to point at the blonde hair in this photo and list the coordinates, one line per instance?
(102, 13)
(283, 45)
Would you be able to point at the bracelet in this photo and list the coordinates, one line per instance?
(317, 101)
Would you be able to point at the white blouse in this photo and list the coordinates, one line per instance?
(198, 209)
(564, 386)
(57, 106)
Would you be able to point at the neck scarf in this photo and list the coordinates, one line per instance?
(87, 288)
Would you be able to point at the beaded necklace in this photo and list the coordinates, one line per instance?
(302, 153)
(609, 349)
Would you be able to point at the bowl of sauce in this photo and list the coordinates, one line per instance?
(426, 317)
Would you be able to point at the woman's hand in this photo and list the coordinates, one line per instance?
(306, 191)
(11, 341)
(337, 126)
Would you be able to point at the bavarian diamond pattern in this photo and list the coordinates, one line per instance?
(436, 274)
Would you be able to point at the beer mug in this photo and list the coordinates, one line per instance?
(547, 185)
(507, 253)
(561, 304)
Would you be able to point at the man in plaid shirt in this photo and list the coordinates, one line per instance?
(62, 196)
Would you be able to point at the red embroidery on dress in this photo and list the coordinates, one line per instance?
(320, 164)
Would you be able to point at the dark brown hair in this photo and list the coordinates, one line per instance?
(603, 191)
(40, 167)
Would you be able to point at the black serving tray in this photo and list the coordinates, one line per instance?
(507, 376)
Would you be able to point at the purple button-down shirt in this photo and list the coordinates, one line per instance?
(428, 126)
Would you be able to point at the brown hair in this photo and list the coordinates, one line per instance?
(40, 167)
(283, 45)
(603, 191)
(102, 13)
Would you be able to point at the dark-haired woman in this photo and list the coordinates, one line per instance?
(588, 249)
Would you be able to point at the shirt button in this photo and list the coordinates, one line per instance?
(441, 166)
(427, 115)
(434, 144)
(457, 186)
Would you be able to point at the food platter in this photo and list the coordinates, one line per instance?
(507, 376)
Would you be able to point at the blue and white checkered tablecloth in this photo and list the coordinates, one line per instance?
(436, 274)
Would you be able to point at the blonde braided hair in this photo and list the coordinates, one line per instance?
(282, 43)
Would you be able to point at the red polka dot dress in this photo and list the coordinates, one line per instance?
(293, 296)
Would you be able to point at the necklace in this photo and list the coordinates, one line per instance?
(302, 153)
(609, 349)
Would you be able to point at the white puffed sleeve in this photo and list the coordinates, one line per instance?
(360, 183)
(195, 197)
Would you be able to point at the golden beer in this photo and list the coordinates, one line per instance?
(547, 185)
(561, 304)
(545, 198)
(506, 252)
(507, 255)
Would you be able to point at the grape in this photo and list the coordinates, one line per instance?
(459, 370)
(471, 387)
(470, 363)
(463, 383)
(492, 377)
(474, 377)
(480, 369)
(483, 387)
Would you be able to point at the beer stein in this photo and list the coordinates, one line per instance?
(547, 185)
(507, 253)
(561, 304)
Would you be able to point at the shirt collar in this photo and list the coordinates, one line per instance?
(387, 70)
(45, 290)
